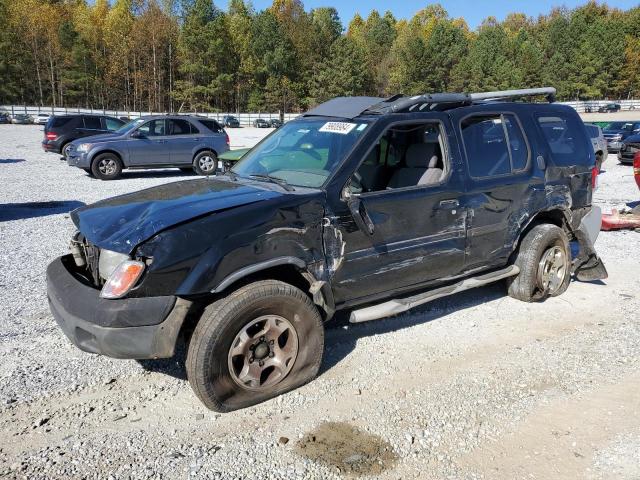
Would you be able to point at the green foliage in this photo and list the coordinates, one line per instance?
(163, 55)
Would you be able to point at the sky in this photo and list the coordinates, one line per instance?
(472, 11)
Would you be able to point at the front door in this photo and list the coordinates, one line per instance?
(403, 226)
(148, 146)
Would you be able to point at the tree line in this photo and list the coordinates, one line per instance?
(186, 55)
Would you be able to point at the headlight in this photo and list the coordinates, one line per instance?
(616, 138)
(109, 261)
(84, 147)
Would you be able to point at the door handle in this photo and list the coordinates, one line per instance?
(449, 204)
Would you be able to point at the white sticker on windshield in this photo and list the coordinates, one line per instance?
(362, 126)
(338, 127)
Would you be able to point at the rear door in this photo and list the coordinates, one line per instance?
(150, 149)
(183, 139)
(499, 180)
(91, 125)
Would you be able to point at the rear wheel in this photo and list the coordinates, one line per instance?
(262, 340)
(106, 166)
(544, 259)
(205, 163)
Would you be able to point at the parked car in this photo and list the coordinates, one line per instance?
(609, 107)
(21, 119)
(230, 121)
(5, 117)
(61, 130)
(628, 149)
(260, 123)
(366, 204)
(160, 141)
(616, 132)
(41, 118)
(231, 157)
(599, 143)
(275, 123)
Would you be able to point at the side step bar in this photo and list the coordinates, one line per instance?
(393, 307)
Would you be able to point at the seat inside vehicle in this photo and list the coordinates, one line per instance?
(406, 156)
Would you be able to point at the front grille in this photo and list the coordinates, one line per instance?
(87, 256)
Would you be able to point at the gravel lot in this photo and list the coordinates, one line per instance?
(477, 385)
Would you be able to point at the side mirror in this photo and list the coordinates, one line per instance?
(138, 134)
(360, 215)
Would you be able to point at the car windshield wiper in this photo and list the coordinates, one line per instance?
(278, 181)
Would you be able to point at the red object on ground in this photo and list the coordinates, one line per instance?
(636, 168)
(617, 221)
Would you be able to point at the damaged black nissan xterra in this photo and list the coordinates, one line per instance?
(362, 203)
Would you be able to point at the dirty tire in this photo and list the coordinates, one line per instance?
(205, 163)
(526, 286)
(106, 166)
(207, 357)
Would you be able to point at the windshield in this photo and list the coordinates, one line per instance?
(303, 152)
(127, 127)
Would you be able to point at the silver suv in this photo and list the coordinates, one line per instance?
(157, 141)
(599, 143)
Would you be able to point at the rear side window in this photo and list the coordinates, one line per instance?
(211, 125)
(57, 122)
(593, 131)
(565, 138)
(495, 145)
(92, 123)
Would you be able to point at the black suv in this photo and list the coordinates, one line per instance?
(365, 204)
(609, 108)
(61, 130)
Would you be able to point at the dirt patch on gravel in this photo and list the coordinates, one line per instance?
(350, 450)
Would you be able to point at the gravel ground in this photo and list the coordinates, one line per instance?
(473, 386)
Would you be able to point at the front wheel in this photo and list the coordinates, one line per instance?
(205, 163)
(106, 166)
(544, 259)
(65, 150)
(262, 340)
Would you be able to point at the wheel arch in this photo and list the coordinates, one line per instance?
(557, 216)
(200, 149)
(107, 150)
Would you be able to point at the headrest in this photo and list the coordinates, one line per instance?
(419, 155)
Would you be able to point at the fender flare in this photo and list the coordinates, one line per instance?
(256, 267)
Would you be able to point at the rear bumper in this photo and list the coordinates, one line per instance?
(137, 328)
(49, 146)
(588, 266)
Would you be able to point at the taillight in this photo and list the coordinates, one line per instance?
(50, 136)
(594, 177)
(226, 135)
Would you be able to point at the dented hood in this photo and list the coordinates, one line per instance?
(121, 223)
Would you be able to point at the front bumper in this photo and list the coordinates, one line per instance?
(78, 159)
(137, 328)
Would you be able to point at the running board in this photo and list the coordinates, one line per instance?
(393, 307)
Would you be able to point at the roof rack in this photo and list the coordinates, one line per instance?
(446, 101)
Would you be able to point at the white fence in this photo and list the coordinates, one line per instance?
(244, 118)
(584, 106)
(248, 118)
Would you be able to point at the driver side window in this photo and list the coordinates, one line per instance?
(407, 155)
(153, 128)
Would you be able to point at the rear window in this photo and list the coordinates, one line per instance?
(57, 122)
(565, 138)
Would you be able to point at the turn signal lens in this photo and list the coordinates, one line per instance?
(636, 164)
(123, 278)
